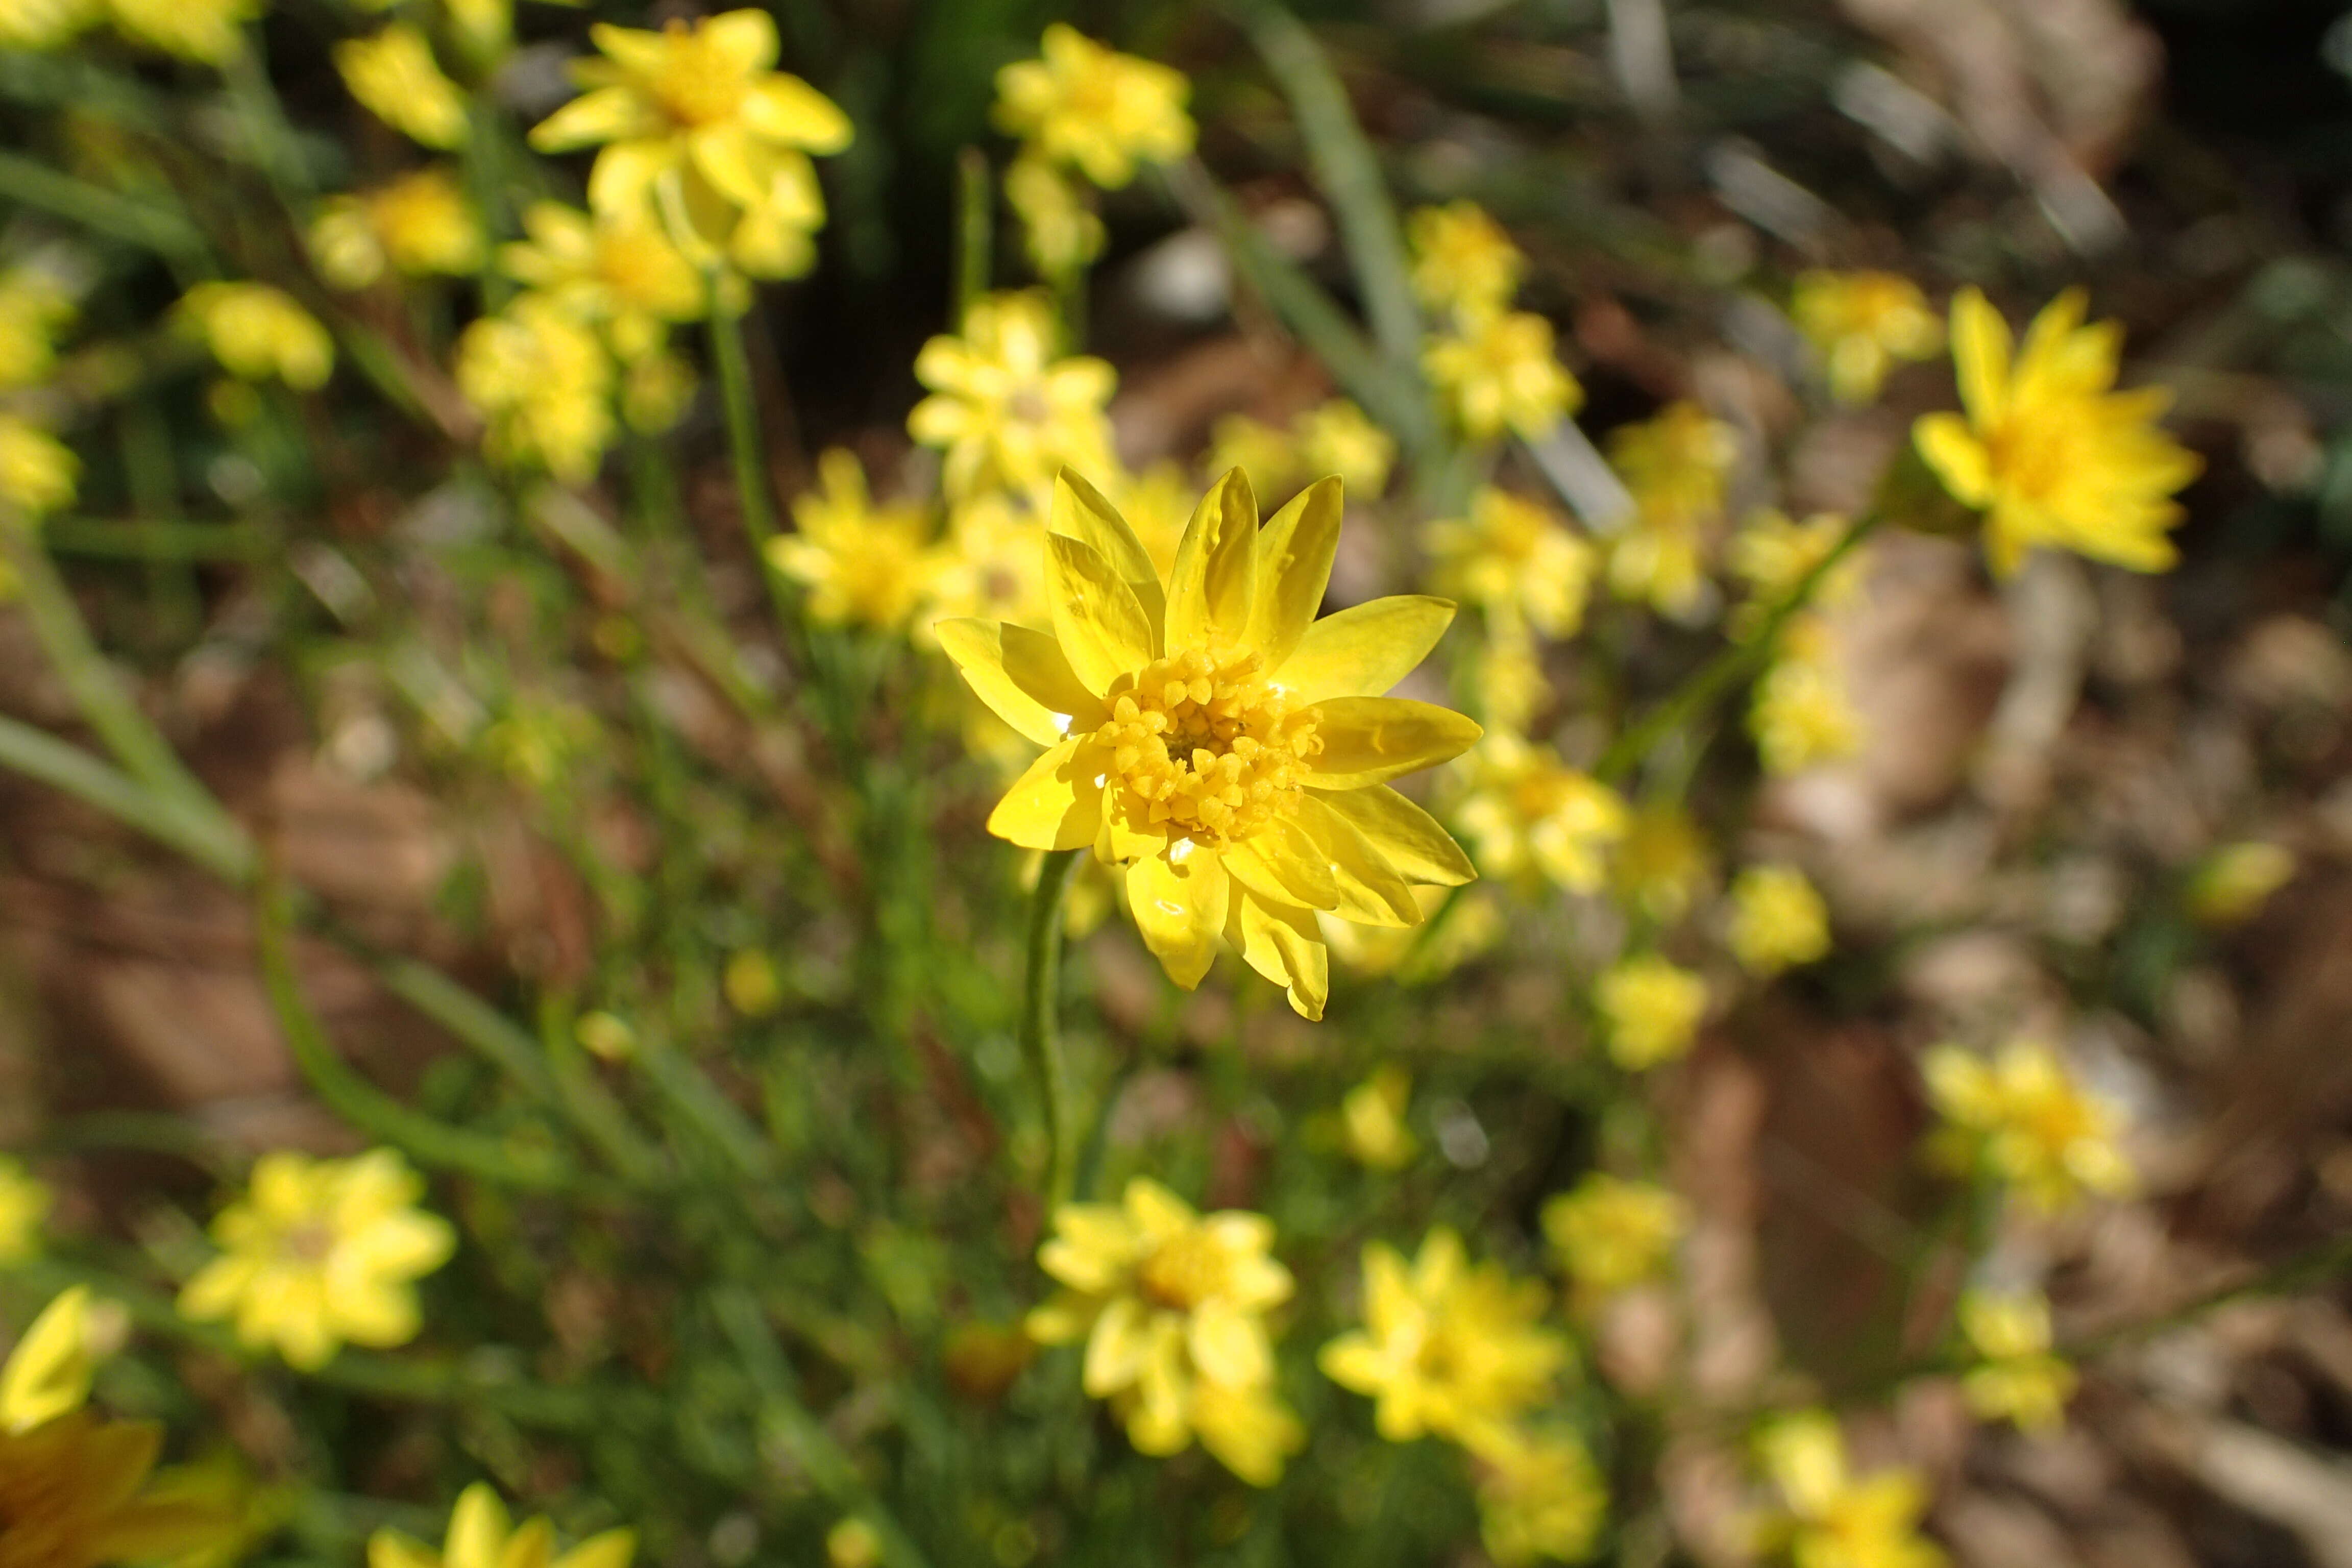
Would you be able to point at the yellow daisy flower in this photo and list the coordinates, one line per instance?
(861, 564)
(1099, 111)
(1863, 323)
(1650, 1010)
(1213, 736)
(543, 382)
(618, 271)
(2021, 1118)
(1170, 1304)
(1513, 559)
(1831, 1518)
(1372, 1120)
(395, 79)
(1778, 919)
(698, 132)
(319, 1253)
(1464, 263)
(420, 223)
(1009, 413)
(38, 473)
(1678, 460)
(1529, 814)
(1540, 1497)
(2048, 450)
(2019, 1379)
(24, 1203)
(260, 334)
(1339, 437)
(1501, 373)
(1610, 1234)
(482, 1535)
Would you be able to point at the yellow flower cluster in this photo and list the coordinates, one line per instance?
(1171, 1307)
(1862, 322)
(420, 223)
(1495, 369)
(1082, 108)
(1831, 1518)
(1529, 816)
(1611, 1234)
(2021, 1120)
(210, 32)
(1333, 437)
(2018, 1378)
(482, 1534)
(1529, 576)
(1778, 919)
(544, 384)
(618, 272)
(862, 564)
(1677, 465)
(1465, 266)
(1650, 1010)
(1539, 1496)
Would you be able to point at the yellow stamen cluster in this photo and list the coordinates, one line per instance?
(1204, 748)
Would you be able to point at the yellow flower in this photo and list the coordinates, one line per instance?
(419, 223)
(1008, 413)
(47, 1374)
(1863, 323)
(994, 566)
(1800, 713)
(1372, 1120)
(395, 79)
(1508, 674)
(1661, 864)
(36, 26)
(2048, 450)
(2019, 1379)
(1513, 559)
(37, 471)
(1774, 556)
(1170, 1305)
(1445, 1348)
(2236, 881)
(860, 562)
(619, 271)
(1650, 1009)
(1061, 231)
(853, 1544)
(544, 383)
(1264, 452)
(24, 1203)
(1527, 814)
(482, 1535)
(1501, 373)
(1610, 1234)
(211, 32)
(1463, 264)
(1412, 953)
(33, 307)
(703, 135)
(1337, 438)
(322, 1252)
(260, 332)
(1778, 919)
(1831, 1518)
(1100, 111)
(1156, 504)
(1678, 460)
(1539, 1496)
(2021, 1119)
(1212, 736)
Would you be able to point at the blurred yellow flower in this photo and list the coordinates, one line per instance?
(1412, 953)
(33, 307)
(1156, 504)
(1863, 323)
(395, 79)
(1446, 1348)
(1463, 264)
(24, 1203)
(1061, 232)
(619, 271)
(1513, 559)
(1501, 373)
(210, 32)
(35, 26)
(1213, 736)
(2018, 1379)
(483, 1535)
(1171, 1307)
(1508, 674)
(1659, 560)
(853, 1544)
(420, 223)
(2047, 449)
(1778, 919)
(701, 134)
(1093, 109)
(1338, 437)
(1831, 1518)
(38, 473)
(2235, 881)
(657, 389)
(1006, 411)
(260, 332)
(1264, 452)
(1650, 1010)
(544, 383)
(319, 1253)
(2019, 1117)
(1372, 1120)
(1527, 814)
(864, 564)
(1539, 1496)
(1774, 555)
(751, 985)
(47, 1374)
(1662, 865)
(1677, 464)
(993, 566)
(1800, 713)
(1608, 1233)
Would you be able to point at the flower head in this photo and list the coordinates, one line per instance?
(544, 382)
(24, 1203)
(1337, 438)
(1266, 453)
(1501, 373)
(1171, 1307)
(1514, 560)
(322, 1252)
(1863, 323)
(2048, 450)
(1778, 919)
(1529, 814)
(420, 223)
(1650, 1010)
(1662, 866)
(618, 271)
(260, 334)
(1800, 713)
(861, 564)
(1207, 734)
(483, 1535)
(395, 79)
(1061, 231)
(1677, 464)
(1830, 1518)
(1093, 109)
(1009, 413)
(2021, 1119)
(37, 471)
(1539, 1496)
(1372, 1120)
(1463, 264)
(993, 566)
(2018, 1379)
(1609, 1233)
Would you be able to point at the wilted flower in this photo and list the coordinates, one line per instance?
(1650, 1010)
(1539, 1496)
(24, 1203)
(482, 1535)
(1608, 1233)
(259, 334)
(618, 271)
(1515, 560)
(1463, 264)
(1831, 1518)
(1528, 813)
(1372, 1120)
(1008, 413)
(1501, 373)
(1778, 919)
(395, 79)
(419, 223)
(861, 564)
(544, 383)
(2236, 881)
(1093, 109)
(2018, 1379)
(1863, 323)
(2021, 1119)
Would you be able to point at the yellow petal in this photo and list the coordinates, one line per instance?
(390, 1548)
(606, 114)
(532, 1546)
(1370, 740)
(1365, 650)
(745, 40)
(1283, 944)
(1406, 836)
(786, 109)
(478, 1529)
(49, 1373)
(1117, 1348)
(1950, 446)
(1097, 619)
(1181, 911)
(613, 1549)
(1283, 865)
(1294, 550)
(1057, 804)
(1371, 890)
(625, 174)
(1228, 1345)
(1079, 512)
(1212, 586)
(1980, 346)
(1023, 677)
(736, 163)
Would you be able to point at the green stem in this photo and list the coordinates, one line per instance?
(975, 230)
(1040, 1025)
(100, 210)
(752, 492)
(37, 754)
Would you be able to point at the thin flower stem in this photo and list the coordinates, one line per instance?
(1041, 1025)
(40, 755)
(734, 366)
(975, 230)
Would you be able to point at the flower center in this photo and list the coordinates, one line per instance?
(2030, 458)
(1185, 1271)
(310, 1242)
(1202, 748)
(695, 86)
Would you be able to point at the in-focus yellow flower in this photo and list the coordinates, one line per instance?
(1213, 736)
(210, 32)
(1831, 1518)
(1608, 1233)
(2048, 450)
(33, 307)
(259, 334)
(1445, 1348)
(1774, 556)
(1540, 1497)
(319, 1253)
(1863, 323)
(701, 134)
(1006, 411)
(1778, 919)
(2021, 1118)
(861, 564)
(1264, 452)
(1662, 865)
(1514, 560)
(1061, 232)
(1800, 713)
(2236, 881)
(544, 383)
(24, 1203)
(2019, 1379)
(395, 79)
(1500, 373)
(1171, 1307)
(1463, 264)
(483, 1535)
(420, 223)
(1650, 1010)
(1529, 814)
(617, 270)
(1093, 109)
(1372, 1120)
(38, 473)
(1338, 437)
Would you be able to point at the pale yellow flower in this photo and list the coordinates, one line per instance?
(2236, 881)
(1415, 954)
(1659, 560)
(1529, 814)
(1508, 674)
(1831, 1518)
(24, 1203)
(1661, 863)
(1678, 460)
(1463, 264)
(544, 383)
(1650, 1010)
(420, 223)
(1774, 556)
(320, 1253)
(1093, 109)
(2018, 1378)
(1501, 373)
(861, 564)
(396, 78)
(210, 32)
(1610, 1234)
(1513, 559)
(1800, 713)
(993, 567)
(1372, 1120)
(1338, 437)
(1061, 232)
(1863, 323)
(1266, 453)
(33, 307)
(1540, 1497)
(483, 1535)
(2021, 1118)
(260, 334)
(617, 270)
(38, 473)
(1778, 919)
(1006, 410)
(2048, 450)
